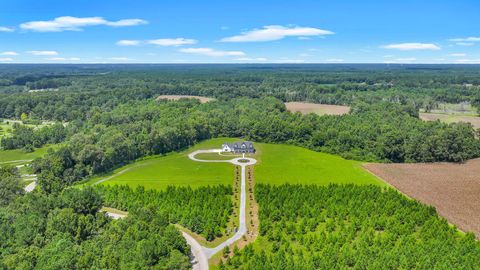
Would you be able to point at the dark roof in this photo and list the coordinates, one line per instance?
(237, 145)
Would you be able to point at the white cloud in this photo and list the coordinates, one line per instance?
(211, 52)
(388, 56)
(290, 61)
(43, 52)
(335, 60)
(172, 41)
(457, 54)
(6, 29)
(465, 43)
(467, 39)
(6, 59)
(305, 55)
(276, 32)
(260, 59)
(9, 53)
(69, 23)
(411, 46)
(127, 42)
(120, 59)
(406, 59)
(127, 22)
(467, 61)
(62, 59)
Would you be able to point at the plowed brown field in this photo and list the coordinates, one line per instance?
(453, 189)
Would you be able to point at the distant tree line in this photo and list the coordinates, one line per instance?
(81, 88)
(351, 227)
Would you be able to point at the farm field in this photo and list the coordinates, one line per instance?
(453, 189)
(174, 169)
(321, 109)
(279, 164)
(451, 118)
(177, 97)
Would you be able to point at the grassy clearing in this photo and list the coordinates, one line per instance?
(174, 169)
(279, 164)
(18, 156)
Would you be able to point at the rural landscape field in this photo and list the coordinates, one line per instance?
(242, 135)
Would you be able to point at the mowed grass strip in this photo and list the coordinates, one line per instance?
(280, 164)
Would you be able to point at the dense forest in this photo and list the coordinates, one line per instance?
(351, 227)
(69, 92)
(68, 232)
(205, 210)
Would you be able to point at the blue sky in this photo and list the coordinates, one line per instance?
(120, 31)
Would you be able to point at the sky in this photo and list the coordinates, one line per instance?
(247, 31)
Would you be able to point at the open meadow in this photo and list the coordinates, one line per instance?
(174, 169)
(277, 164)
(19, 156)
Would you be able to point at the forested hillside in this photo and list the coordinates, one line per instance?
(351, 227)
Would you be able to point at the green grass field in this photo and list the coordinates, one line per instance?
(174, 169)
(18, 156)
(278, 164)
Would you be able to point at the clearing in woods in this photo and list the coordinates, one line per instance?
(453, 189)
(177, 97)
(452, 113)
(321, 109)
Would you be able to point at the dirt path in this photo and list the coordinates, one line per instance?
(242, 230)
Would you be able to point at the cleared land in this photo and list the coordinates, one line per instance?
(174, 169)
(279, 164)
(453, 189)
(449, 118)
(18, 156)
(321, 109)
(177, 97)
(452, 113)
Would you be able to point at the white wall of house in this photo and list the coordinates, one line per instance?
(226, 148)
